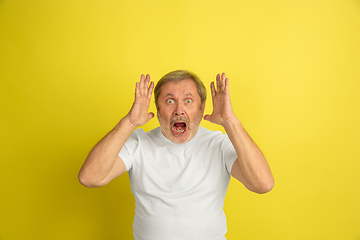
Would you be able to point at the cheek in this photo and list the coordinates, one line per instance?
(163, 120)
(164, 110)
(196, 112)
(195, 119)
(162, 114)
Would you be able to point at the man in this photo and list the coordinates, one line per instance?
(179, 172)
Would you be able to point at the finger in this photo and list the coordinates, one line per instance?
(150, 115)
(207, 117)
(223, 77)
(137, 90)
(213, 92)
(217, 82)
(142, 84)
(226, 85)
(137, 87)
(147, 80)
(146, 85)
(150, 90)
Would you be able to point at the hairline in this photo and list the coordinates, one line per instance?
(177, 76)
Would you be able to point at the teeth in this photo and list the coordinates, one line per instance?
(179, 130)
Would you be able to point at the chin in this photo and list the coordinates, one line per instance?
(180, 130)
(176, 138)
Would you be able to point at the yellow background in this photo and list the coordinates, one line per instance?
(68, 71)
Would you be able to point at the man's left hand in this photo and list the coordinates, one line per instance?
(222, 109)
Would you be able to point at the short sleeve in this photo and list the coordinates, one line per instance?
(126, 152)
(126, 157)
(229, 153)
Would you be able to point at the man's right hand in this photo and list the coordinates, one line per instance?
(103, 162)
(138, 114)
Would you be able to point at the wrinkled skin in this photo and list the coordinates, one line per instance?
(180, 111)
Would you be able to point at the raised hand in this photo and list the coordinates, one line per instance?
(222, 109)
(139, 114)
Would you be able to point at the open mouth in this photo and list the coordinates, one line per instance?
(179, 127)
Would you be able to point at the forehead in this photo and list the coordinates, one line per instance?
(186, 87)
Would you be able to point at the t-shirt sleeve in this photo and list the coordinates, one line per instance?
(126, 152)
(126, 157)
(229, 153)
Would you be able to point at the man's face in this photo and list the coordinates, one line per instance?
(179, 110)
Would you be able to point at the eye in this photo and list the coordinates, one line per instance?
(170, 101)
(188, 101)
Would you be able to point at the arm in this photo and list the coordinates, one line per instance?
(103, 163)
(251, 167)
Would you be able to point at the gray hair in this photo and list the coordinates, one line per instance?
(177, 76)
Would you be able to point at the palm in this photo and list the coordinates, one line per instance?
(139, 114)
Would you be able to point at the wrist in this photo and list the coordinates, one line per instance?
(231, 123)
(126, 124)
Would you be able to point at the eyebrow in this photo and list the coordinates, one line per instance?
(172, 95)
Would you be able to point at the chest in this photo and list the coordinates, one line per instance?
(178, 170)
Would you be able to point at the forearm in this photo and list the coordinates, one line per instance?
(253, 165)
(102, 158)
(103, 163)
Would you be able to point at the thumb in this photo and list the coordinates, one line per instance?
(207, 117)
(150, 115)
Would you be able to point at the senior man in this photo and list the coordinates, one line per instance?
(179, 172)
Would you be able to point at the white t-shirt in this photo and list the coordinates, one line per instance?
(179, 189)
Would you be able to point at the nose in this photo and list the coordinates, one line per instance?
(179, 110)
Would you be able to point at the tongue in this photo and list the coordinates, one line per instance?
(179, 125)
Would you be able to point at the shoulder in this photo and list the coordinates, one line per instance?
(206, 133)
(209, 137)
(153, 134)
(140, 136)
(140, 133)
